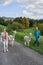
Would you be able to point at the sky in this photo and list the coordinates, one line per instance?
(25, 8)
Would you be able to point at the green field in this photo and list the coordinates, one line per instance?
(20, 38)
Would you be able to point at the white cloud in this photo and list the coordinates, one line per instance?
(5, 2)
(24, 12)
(17, 15)
(31, 7)
(27, 14)
(19, 1)
(41, 1)
(31, 15)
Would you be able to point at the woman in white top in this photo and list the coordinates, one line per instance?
(4, 39)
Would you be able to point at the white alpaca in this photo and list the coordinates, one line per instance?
(12, 38)
(27, 39)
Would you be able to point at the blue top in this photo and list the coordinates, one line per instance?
(37, 33)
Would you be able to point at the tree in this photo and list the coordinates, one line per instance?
(41, 28)
(26, 22)
(31, 21)
(1, 21)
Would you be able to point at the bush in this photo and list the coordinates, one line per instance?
(2, 28)
(9, 30)
(41, 28)
(16, 26)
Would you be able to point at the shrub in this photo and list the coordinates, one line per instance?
(16, 26)
(2, 28)
(9, 28)
(41, 28)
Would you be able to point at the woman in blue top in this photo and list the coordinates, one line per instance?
(37, 36)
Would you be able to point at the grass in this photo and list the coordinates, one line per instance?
(20, 35)
(37, 48)
(20, 38)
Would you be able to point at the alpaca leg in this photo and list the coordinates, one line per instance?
(25, 43)
(12, 43)
(6, 45)
(28, 43)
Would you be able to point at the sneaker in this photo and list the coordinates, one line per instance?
(7, 49)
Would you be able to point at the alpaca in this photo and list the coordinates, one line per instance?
(12, 38)
(27, 39)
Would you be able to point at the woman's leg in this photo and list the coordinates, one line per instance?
(35, 42)
(4, 43)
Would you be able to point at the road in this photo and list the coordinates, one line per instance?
(20, 55)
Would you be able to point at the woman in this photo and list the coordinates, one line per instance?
(4, 39)
(37, 36)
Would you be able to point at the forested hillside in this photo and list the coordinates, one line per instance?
(21, 23)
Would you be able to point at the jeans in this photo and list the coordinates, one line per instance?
(36, 42)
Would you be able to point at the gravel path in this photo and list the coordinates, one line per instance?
(20, 55)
